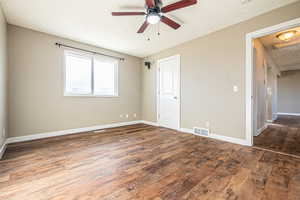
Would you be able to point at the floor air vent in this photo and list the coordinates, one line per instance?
(201, 131)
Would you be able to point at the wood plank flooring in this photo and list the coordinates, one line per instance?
(283, 136)
(288, 120)
(145, 162)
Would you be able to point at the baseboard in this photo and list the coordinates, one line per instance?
(92, 128)
(2, 150)
(262, 129)
(67, 132)
(149, 123)
(220, 137)
(291, 114)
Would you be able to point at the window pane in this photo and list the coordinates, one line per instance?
(104, 78)
(78, 74)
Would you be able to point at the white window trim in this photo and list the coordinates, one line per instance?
(83, 54)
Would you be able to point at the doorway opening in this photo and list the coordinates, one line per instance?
(272, 88)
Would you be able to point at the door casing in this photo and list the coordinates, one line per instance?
(249, 114)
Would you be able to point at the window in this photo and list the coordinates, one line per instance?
(90, 75)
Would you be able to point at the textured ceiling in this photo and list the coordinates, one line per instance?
(90, 21)
(286, 57)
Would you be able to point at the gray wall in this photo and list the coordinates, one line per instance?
(210, 66)
(260, 91)
(36, 101)
(3, 78)
(289, 92)
(272, 97)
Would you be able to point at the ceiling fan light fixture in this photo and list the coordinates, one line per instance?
(155, 13)
(286, 36)
(153, 18)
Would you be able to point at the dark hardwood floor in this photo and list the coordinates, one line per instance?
(282, 136)
(290, 121)
(145, 162)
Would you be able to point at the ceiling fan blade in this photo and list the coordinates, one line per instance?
(127, 13)
(170, 22)
(150, 3)
(178, 5)
(143, 27)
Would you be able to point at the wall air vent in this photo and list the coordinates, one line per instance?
(201, 131)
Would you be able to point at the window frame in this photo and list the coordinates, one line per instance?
(92, 94)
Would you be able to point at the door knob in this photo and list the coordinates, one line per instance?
(175, 97)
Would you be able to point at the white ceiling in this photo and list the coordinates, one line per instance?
(90, 21)
(287, 57)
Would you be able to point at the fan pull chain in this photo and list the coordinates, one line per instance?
(148, 36)
(158, 26)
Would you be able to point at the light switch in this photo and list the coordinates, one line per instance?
(235, 88)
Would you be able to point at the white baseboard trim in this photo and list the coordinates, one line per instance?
(219, 137)
(67, 132)
(291, 114)
(2, 150)
(262, 129)
(92, 128)
(149, 123)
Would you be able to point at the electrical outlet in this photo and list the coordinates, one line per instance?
(235, 88)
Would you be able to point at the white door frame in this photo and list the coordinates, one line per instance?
(158, 87)
(249, 69)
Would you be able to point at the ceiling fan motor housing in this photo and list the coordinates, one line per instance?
(154, 10)
(158, 3)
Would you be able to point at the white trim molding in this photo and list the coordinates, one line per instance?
(93, 128)
(249, 69)
(259, 131)
(149, 123)
(243, 142)
(67, 132)
(275, 116)
(291, 114)
(2, 149)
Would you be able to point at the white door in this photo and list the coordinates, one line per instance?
(169, 92)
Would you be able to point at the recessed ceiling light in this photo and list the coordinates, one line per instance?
(286, 36)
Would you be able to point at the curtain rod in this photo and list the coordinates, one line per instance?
(94, 52)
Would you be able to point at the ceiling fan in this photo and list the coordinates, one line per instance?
(155, 13)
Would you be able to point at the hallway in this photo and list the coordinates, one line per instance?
(282, 136)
